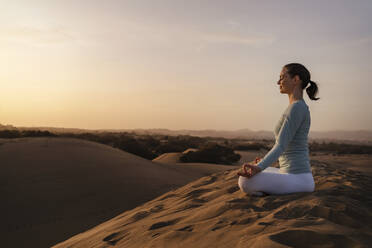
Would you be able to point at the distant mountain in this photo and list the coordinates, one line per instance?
(357, 137)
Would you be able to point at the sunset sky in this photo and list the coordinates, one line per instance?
(181, 64)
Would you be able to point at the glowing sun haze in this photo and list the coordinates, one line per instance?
(181, 64)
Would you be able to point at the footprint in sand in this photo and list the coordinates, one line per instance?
(209, 180)
(221, 224)
(243, 203)
(293, 212)
(272, 202)
(295, 238)
(139, 215)
(232, 189)
(266, 223)
(196, 193)
(186, 207)
(186, 228)
(113, 238)
(157, 208)
(199, 200)
(338, 217)
(163, 224)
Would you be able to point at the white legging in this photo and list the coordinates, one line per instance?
(272, 181)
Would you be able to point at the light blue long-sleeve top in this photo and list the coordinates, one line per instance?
(291, 147)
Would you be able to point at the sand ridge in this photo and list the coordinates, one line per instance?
(172, 157)
(212, 211)
(54, 188)
(169, 158)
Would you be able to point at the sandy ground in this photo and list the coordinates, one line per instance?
(83, 194)
(54, 188)
(212, 211)
(169, 158)
(356, 162)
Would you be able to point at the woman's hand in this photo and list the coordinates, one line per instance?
(253, 169)
(258, 159)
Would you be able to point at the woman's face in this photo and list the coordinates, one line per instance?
(286, 83)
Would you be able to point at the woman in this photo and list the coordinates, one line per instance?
(291, 147)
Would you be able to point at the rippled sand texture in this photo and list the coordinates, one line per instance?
(213, 212)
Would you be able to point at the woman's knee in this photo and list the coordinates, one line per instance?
(310, 188)
(308, 184)
(241, 182)
(246, 185)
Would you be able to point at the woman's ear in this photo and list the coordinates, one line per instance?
(297, 79)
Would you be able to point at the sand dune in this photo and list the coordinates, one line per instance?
(169, 158)
(213, 212)
(190, 150)
(356, 162)
(172, 157)
(54, 188)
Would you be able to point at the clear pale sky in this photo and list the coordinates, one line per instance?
(181, 64)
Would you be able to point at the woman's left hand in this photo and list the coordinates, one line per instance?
(253, 170)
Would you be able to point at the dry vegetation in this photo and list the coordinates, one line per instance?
(152, 146)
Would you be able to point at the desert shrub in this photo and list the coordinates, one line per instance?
(212, 153)
(146, 146)
(340, 148)
(85, 136)
(36, 133)
(123, 141)
(132, 145)
(150, 141)
(10, 134)
(245, 147)
(178, 143)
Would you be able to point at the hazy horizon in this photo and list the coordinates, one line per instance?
(205, 129)
(195, 65)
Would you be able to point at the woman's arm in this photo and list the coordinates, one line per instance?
(290, 125)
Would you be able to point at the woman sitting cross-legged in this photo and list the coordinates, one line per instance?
(291, 142)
